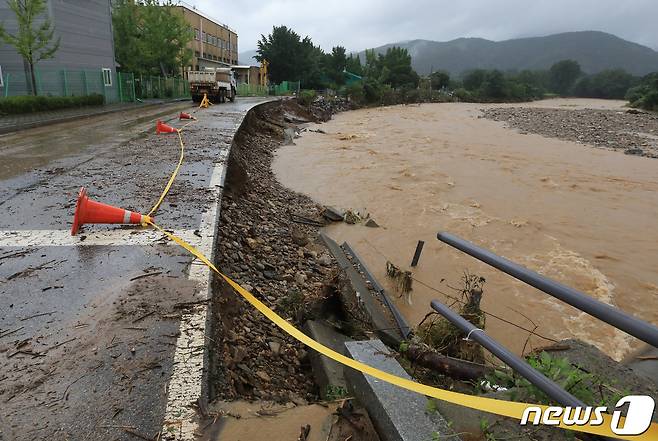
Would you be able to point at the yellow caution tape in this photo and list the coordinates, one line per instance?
(498, 407)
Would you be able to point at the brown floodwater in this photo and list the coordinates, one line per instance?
(584, 216)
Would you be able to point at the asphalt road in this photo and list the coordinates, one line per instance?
(90, 327)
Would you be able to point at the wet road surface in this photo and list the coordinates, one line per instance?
(88, 331)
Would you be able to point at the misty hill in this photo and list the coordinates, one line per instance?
(595, 51)
(247, 58)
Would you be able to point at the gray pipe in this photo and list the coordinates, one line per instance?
(611, 315)
(547, 386)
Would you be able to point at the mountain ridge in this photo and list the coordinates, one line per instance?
(594, 50)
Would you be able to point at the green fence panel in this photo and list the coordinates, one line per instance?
(124, 87)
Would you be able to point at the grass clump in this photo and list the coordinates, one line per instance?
(29, 104)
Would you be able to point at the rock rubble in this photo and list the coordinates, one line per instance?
(631, 133)
(280, 261)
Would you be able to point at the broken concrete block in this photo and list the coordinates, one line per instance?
(398, 414)
(333, 214)
(328, 373)
(371, 223)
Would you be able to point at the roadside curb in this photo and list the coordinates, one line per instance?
(188, 385)
(47, 122)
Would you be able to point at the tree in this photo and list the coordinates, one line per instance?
(150, 37)
(353, 65)
(563, 75)
(607, 84)
(439, 79)
(473, 79)
(493, 85)
(33, 41)
(396, 68)
(336, 64)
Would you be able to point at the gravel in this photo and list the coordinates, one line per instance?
(632, 133)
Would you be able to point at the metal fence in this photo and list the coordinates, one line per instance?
(114, 86)
(285, 88)
(245, 89)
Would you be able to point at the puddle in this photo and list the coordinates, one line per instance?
(583, 216)
(243, 421)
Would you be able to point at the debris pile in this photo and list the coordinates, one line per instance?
(440, 334)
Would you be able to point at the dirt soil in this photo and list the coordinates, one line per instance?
(281, 262)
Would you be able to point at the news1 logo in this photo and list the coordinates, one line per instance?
(638, 416)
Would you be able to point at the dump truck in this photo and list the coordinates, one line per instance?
(218, 83)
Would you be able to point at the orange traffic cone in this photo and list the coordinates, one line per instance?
(92, 212)
(164, 128)
(184, 115)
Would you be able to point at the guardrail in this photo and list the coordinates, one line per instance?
(609, 314)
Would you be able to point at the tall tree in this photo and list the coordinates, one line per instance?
(440, 79)
(282, 50)
(336, 65)
(34, 40)
(396, 68)
(150, 37)
(291, 58)
(353, 65)
(563, 75)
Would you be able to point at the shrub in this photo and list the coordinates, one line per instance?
(306, 97)
(355, 92)
(30, 104)
(645, 95)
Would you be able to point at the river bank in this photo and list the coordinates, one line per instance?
(577, 214)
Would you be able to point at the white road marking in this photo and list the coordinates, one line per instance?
(187, 376)
(63, 238)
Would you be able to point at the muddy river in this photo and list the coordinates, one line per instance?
(586, 217)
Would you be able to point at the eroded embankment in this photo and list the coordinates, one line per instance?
(280, 261)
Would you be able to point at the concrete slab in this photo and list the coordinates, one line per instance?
(328, 373)
(398, 414)
(381, 319)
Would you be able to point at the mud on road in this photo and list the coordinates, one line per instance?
(88, 332)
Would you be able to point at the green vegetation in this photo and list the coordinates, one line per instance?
(587, 387)
(387, 77)
(563, 76)
(150, 37)
(609, 84)
(28, 104)
(33, 41)
(335, 392)
(645, 95)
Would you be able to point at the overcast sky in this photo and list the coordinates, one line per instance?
(361, 24)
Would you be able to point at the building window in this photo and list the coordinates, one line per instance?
(204, 37)
(107, 77)
(196, 34)
(197, 54)
(2, 80)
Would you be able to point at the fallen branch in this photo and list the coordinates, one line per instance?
(141, 276)
(38, 315)
(8, 333)
(452, 367)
